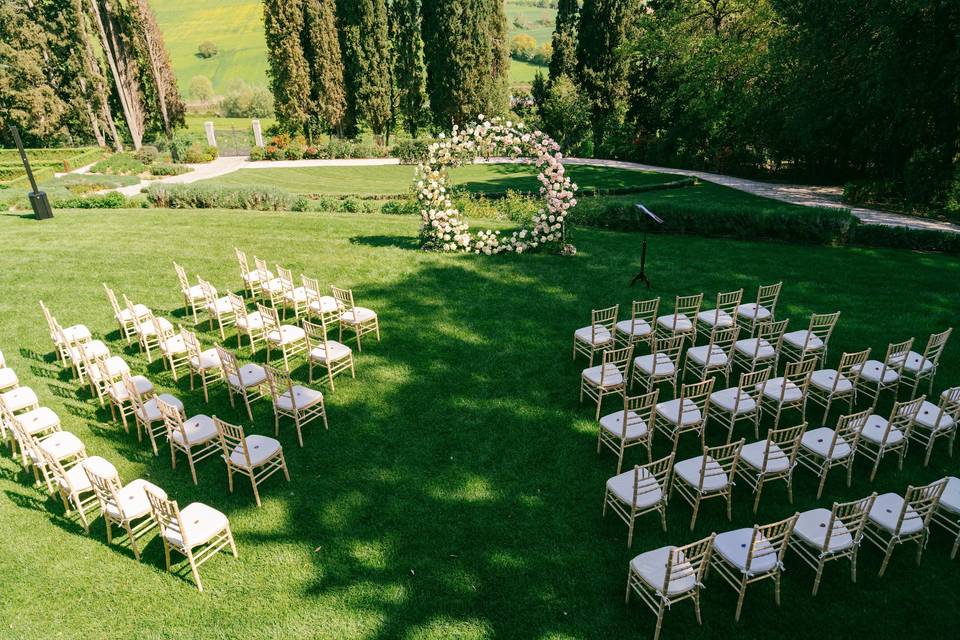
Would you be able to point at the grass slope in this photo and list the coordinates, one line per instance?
(396, 179)
(458, 491)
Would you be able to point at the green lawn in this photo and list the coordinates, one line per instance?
(458, 491)
(396, 179)
(522, 73)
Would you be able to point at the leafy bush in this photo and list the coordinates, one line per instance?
(411, 151)
(523, 47)
(244, 101)
(207, 49)
(147, 154)
(199, 153)
(273, 152)
(408, 207)
(875, 235)
(257, 153)
(168, 169)
(112, 200)
(179, 146)
(120, 164)
(294, 151)
(543, 54)
(201, 196)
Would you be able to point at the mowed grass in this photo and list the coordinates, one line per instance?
(397, 179)
(235, 26)
(458, 491)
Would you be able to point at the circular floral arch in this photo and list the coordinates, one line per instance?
(444, 228)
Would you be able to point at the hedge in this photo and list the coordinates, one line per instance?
(200, 196)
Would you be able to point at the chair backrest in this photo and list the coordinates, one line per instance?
(645, 310)
(688, 306)
(726, 457)
(139, 320)
(286, 278)
(261, 266)
(105, 487)
(787, 440)
(848, 518)
(159, 330)
(51, 323)
(344, 297)
(316, 334)
(851, 364)
(950, 403)
(768, 295)
(237, 304)
(822, 325)
(229, 363)
(619, 358)
(311, 286)
(605, 319)
(209, 291)
(660, 470)
(798, 373)
(112, 297)
(936, 343)
(729, 301)
(772, 332)
(136, 400)
(280, 383)
(242, 259)
(639, 409)
(750, 383)
(769, 542)
(231, 439)
(902, 417)
(54, 466)
(688, 562)
(723, 339)
(191, 342)
(848, 430)
(166, 513)
(699, 394)
(672, 347)
(182, 278)
(271, 321)
(172, 419)
(897, 353)
(922, 501)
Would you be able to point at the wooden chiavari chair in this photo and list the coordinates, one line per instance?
(722, 315)
(755, 314)
(880, 435)
(813, 341)
(638, 491)
(302, 404)
(825, 448)
(639, 328)
(630, 427)
(708, 476)
(896, 519)
(599, 336)
(771, 459)
(195, 437)
(607, 378)
(680, 322)
(334, 356)
(827, 385)
(255, 456)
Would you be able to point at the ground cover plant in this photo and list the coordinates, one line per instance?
(458, 491)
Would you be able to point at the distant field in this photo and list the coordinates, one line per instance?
(396, 179)
(236, 27)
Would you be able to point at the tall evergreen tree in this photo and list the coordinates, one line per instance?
(604, 27)
(409, 71)
(288, 69)
(321, 46)
(365, 47)
(500, 56)
(156, 61)
(564, 59)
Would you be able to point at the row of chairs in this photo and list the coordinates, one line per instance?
(90, 485)
(668, 575)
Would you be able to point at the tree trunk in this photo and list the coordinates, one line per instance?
(128, 89)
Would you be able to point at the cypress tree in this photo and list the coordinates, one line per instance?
(155, 61)
(365, 47)
(321, 46)
(500, 57)
(409, 71)
(288, 69)
(564, 59)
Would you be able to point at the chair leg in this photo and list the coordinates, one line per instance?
(193, 570)
(740, 597)
(886, 558)
(816, 581)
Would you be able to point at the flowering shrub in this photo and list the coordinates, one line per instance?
(444, 228)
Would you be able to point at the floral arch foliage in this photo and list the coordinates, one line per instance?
(443, 227)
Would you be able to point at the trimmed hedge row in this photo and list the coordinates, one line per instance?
(200, 196)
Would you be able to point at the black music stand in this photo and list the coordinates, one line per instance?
(38, 199)
(642, 276)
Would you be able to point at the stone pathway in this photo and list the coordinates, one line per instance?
(809, 196)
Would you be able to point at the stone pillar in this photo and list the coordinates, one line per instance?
(211, 137)
(257, 133)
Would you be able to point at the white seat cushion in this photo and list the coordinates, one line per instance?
(61, 445)
(288, 334)
(874, 429)
(77, 333)
(886, 511)
(873, 370)
(199, 429)
(221, 306)
(208, 359)
(773, 388)
(325, 304)
(118, 390)
(678, 324)
(94, 350)
(272, 285)
(824, 379)
(125, 316)
(149, 328)
(818, 441)
(699, 355)
(649, 491)
(715, 318)
(8, 378)
(251, 322)
(358, 315)
(252, 375)
(200, 523)
(812, 528)
(753, 311)
(726, 399)
(150, 412)
(799, 338)
(914, 362)
(38, 420)
(132, 501)
(612, 376)
(19, 399)
(260, 449)
(613, 423)
(670, 411)
(636, 328)
(664, 364)
(174, 345)
(652, 569)
(950, 500)
(595, 336)
(930, 418)
(752, 455)
(76, 479)
(195, 293)
(756, 349)
(297, 295)
(734, 546)
(689, 471)
(304, 397)
(258, 275)
(115, 367)
(335, 351)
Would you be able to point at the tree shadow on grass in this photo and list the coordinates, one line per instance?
(407, 243)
